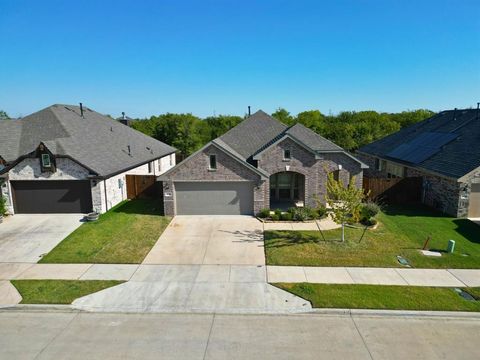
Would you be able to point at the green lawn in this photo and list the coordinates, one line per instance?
(402, 231)
(123, 235)
(383, 297)
(58, 291)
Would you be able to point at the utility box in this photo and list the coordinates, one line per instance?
(451, 246)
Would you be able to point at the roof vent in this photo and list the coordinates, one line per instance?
(249, 112)
(123, 115)
(129, 151)
(81, 109)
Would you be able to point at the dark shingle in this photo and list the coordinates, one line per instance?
(94, 140)
(454, 159)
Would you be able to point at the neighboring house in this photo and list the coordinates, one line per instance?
(260, 163)
(444, 150)
(71, 159)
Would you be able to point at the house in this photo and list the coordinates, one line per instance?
(260, 163)
(71, 159)
(444, 151)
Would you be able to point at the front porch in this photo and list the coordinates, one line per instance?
(287, 189)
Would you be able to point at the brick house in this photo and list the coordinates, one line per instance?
(260, 163)
(444, 151)
(71, 159)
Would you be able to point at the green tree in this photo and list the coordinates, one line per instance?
(344, 200)
(283, 116)
(4, 115)
(218, 125)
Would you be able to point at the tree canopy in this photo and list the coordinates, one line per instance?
(348, 129)
(4, 115)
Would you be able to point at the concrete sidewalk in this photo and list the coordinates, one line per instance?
(245, 273)
(374, 276)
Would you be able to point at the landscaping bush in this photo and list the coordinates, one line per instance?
(369, 222)
(303, 214)
(321, 211)
(3, 205)
(264, 213)
(275, 217)
(278, 212)
(286, 216)
(369, 210)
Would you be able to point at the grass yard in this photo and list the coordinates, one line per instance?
(58, 291)
(402, 231)
(123, 235)
(383, 297)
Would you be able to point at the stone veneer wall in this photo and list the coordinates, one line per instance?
(441, 193)
(196, 168)
(67, 169)
(315, 171)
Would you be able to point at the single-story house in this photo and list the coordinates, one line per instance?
(71, 159)
(260, 163)
(444, 150)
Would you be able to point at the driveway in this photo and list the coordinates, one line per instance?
(25, 238)
(200, 264)
(210, 240)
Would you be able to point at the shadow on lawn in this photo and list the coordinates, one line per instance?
(140, 206)
(278, 239)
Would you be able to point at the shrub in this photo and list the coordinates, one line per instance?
(369, 210)
(321, 211)
(275, 217)
(3, 205)
(264, 213)
(286, 216)
(278, 212)
(303, 214)
(369, 222)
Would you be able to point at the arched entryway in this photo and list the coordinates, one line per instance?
(286, 189)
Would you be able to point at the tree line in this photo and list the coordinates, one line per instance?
(348, 129)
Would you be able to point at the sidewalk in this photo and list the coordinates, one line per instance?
(374, 276)
(274, 274)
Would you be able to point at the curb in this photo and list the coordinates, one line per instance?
(397, 313)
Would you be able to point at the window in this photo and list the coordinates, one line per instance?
(46, 163)
(394, 170)
(377, 164)
(213, 162)
(160, 165)
(171, 159)
(149, 167)
(287, 154)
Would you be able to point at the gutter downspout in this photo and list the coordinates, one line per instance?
(105, 190)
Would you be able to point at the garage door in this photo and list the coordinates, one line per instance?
(214, 198)
(54, 197)
(474, 208)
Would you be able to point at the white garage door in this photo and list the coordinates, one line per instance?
(214, 198)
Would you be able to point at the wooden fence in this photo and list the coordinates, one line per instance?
(140, 185)
(397, 190)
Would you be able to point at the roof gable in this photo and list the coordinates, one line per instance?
(100, 143)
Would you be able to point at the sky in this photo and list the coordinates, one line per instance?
(217, 57)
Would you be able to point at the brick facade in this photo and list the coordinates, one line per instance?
(302, 161)
(444, 194)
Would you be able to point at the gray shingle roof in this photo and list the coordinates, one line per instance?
(454, 159)
(260, 130)
(252, 133)
(96, 141)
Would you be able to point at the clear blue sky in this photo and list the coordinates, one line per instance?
(150, 57)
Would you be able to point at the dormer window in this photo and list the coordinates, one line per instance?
(212, 162)
(46, 162)
(287, 155)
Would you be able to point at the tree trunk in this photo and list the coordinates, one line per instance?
(343, 232)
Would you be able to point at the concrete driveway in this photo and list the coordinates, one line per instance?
(210, 240)
(25, 238)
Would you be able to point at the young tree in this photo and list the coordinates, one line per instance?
(344, 201)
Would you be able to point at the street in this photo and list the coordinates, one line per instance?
(79, 335)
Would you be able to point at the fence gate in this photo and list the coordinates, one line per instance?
(139, 185)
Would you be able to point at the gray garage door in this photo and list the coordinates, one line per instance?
(214, 198)
(54, 197)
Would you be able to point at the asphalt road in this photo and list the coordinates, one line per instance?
(74, 335)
